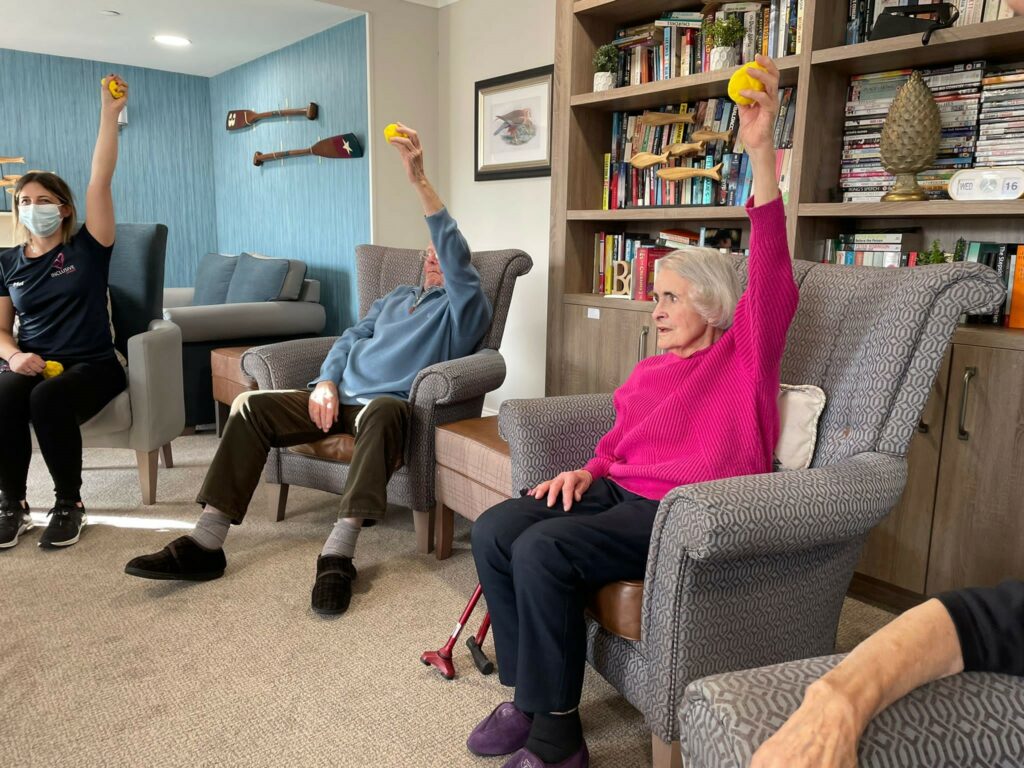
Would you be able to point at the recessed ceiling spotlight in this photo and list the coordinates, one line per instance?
(111, 13)
(172, 40)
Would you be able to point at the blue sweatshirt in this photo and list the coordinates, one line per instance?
(410, 329)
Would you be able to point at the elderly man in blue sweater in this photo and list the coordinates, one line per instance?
(363, 389)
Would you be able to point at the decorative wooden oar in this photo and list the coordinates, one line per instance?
(336, 147)
(666, 118)
(243, 118)
(12, 159)
(643, 160)
(711, 135)
(678, 174)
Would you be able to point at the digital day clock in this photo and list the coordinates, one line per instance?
(987, 184)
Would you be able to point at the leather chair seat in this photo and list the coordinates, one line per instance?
(474, 472)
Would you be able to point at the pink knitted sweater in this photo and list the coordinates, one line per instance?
(714, 414)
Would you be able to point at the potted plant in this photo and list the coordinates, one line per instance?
(724, 35)
(606, 59)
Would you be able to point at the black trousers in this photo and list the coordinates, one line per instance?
(55, 408)
(537, 567)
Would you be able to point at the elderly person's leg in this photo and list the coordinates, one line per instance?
(258, 422)
(380, 432)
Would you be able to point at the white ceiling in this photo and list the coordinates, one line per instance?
(224, 33)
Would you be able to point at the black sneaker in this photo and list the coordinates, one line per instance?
(181, 560)
(332, 590)
(14, 521)
(66, 522)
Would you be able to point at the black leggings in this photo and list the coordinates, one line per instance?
(55, 408)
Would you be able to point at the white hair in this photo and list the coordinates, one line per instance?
(715, 286)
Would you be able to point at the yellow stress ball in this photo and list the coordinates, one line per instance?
(112, 86)
(391, 130)
(742, 81)
(53, 368)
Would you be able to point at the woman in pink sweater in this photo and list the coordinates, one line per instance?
(704, 410)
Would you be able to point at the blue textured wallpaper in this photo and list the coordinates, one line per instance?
(307, 208)
(50, 109)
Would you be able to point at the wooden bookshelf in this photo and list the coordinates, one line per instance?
(953, 495)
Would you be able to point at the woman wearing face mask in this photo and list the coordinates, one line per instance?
(56, 283)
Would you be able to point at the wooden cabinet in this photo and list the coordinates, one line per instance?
(603, 345)
(961, 519)
(6, 229)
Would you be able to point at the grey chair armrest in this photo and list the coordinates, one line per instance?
(725, 718)
(155, 386)
(454, 381)
(287, 364)
(781, 512)
(178, 297)
(245, 320)
(553, 434)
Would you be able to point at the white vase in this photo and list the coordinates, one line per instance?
(724, 57)
(603, 81)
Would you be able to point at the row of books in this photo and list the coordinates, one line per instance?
(625, 263)
(981, 108)
(902, 248)
(625, 186)
(675, 45)
(862, 14)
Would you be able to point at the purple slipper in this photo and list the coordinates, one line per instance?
(500, 733)
(524, 758)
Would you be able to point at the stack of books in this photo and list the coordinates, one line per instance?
(1001, 120)
(629, 187)
(957, 91)
(871, 248)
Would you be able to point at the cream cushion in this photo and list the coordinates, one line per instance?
(800, 407)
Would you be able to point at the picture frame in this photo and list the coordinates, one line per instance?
(512, 125)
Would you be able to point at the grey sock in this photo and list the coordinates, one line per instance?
(211, 529)
(342, 541)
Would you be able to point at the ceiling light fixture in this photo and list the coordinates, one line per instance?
(172, 40)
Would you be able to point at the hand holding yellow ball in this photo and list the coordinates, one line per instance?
(391, 131)
(53, 368)
(742, 81)
(115, 90)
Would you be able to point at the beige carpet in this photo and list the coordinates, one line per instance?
(102, 669)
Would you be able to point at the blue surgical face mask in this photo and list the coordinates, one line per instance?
(41, 220)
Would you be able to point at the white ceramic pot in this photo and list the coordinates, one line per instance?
(724, 57)
(603, 81)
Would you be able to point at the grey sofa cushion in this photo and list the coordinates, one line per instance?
(213, 278)
(257, 278)
(293, 281)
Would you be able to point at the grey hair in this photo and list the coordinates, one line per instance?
(715, 286)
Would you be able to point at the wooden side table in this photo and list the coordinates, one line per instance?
(228, 381)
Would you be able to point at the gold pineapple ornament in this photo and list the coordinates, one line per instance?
(910, 138)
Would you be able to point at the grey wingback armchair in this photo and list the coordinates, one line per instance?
(441, 393)
(150, 413)
(752, 570)
(975, 718)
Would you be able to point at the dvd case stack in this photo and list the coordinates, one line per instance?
(957, 91)
(1001, 120)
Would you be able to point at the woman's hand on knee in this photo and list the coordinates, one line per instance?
(26, 364)
(569, 485)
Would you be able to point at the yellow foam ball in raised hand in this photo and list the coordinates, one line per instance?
(113, 87)
(742, 81)
(53, 368)
(391, 130)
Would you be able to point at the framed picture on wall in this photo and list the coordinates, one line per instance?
(512, 137)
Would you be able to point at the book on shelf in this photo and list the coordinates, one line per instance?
(862, 14)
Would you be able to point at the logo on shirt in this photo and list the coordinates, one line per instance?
(59, 268)
(18, 284)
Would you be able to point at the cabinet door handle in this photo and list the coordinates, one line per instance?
(922, 427)
(969, 373)
(641, 345)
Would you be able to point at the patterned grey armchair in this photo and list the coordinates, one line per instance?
(752, 570)
(973, 718)
(441, 393)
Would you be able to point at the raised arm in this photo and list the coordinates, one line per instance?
(99, 203)
(767, 306)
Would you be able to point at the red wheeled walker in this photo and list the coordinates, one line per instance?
(442, 657)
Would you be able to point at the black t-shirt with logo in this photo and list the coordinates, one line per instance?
(61, 299)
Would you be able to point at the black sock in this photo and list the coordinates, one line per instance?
(554, 738)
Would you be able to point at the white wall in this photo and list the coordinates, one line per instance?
(479, 39)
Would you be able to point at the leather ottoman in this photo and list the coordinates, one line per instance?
(228, 380)
(474, 472)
